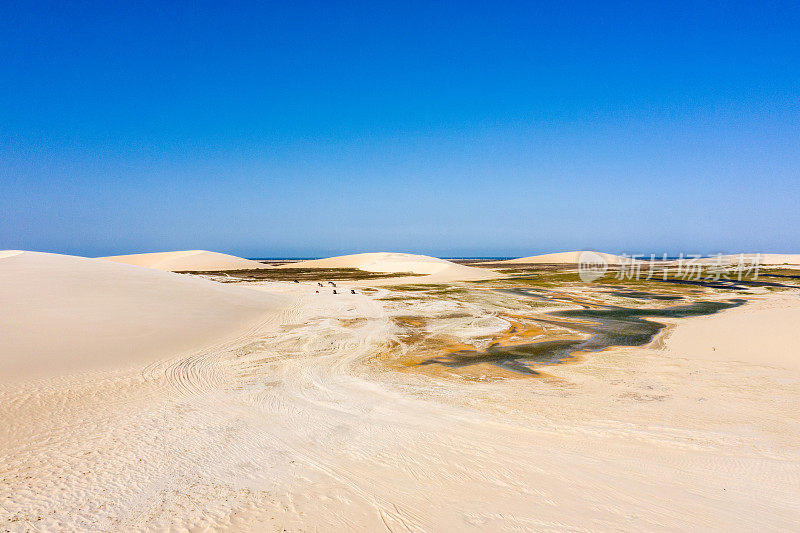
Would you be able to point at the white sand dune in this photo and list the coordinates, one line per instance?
(64, 314)
(762, 332)
(565, 258)
(779, 259)
(763, 259)
(295, 424)
(187, 261)
(433, 267)
(9, 253)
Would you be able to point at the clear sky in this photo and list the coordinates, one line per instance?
(445, 128)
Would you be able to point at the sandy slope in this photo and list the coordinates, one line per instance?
(64, 314)
(765, 332)
(433, 268)
(563, 258)
(187, 261)
(779, 259)
(294, 426)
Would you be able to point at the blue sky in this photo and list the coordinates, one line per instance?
(446, 128)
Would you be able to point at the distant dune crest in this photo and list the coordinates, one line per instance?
(611, 259)
(388, 262)
(9, 253)
(566, 258)
(187, 261)
(73, 314)
(763, 259)
(381, 262)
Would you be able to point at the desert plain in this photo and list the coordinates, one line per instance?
(195, 391)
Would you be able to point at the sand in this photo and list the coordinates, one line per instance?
(778, 259)
(765, 332)
(433, 268)
(63, 314)
(747, 258)
(187, 261)
(565, 258)
(293, 424)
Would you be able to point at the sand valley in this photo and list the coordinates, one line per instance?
(440, 397)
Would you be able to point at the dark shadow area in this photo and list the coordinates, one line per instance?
(612, 326)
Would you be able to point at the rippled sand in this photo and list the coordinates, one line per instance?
(314, 416)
